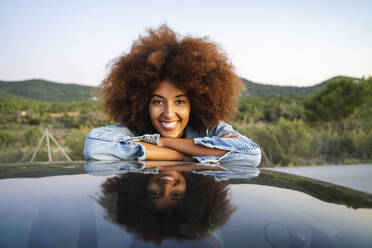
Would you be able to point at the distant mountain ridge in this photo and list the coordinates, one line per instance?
(266, 90)
(51, 91)
(46, 90)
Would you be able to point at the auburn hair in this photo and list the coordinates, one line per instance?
(198, 66)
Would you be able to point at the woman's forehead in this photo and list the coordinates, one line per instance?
(168, 88)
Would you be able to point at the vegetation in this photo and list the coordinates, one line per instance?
(321, 190)
(332, 125)
(265, 90)
(336, 102)
(327, 123)
(23, 121)
(47, 91)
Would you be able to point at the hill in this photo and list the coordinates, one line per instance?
(46, 90)
(266, 90)
(50, 91)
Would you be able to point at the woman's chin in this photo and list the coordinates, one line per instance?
(170, 134)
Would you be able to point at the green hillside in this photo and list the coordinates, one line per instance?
(50, 91)
(46, 90)
(266, 90)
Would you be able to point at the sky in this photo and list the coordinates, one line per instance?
(281, 42)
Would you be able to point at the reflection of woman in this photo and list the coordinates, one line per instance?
(166, 205)
(170, 97)
(166, 189)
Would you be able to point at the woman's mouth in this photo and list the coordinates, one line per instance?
(167, 178)
(169, 125)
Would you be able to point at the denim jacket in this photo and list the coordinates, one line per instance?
(117, 143)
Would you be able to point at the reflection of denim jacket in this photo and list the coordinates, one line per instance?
(116, 143)
(228, 170)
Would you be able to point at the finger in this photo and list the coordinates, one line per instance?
(226, 135)
(230, 136)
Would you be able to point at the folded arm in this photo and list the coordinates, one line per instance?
(189, 147)
(156, 152)
(223, 144)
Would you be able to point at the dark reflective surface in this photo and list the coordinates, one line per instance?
(162, 204)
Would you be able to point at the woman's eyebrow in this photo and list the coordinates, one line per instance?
(157, 96)
(181, 95)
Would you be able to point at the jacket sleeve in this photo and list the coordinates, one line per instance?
(241, 148)
(113, 143)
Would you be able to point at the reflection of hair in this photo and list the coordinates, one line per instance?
(204, 207)
(195, 65)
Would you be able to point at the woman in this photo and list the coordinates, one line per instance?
(170, 96)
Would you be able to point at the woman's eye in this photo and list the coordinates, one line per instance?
(154, 193)
(157, 102)
(180, 101)
(176, 194)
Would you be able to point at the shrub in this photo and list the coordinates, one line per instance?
(32, 136)
(6, 138)
(284, 143)
(337, 101)
(10, 154)
(75, 142)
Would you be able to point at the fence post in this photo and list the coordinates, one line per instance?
(48, 145)
(37, 148)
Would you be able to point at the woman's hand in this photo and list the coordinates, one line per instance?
(229, 135)
(187, 158)
(187, 147)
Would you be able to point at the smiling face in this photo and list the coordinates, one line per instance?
(169, 109)
(166, 189)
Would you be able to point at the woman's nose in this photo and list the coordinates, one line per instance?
(169, 110)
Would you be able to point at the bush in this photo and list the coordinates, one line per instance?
(10, 154)
(6, 138)
(284, 143)
(33, 121)
(335, 102)
(75, 142)
(335, 147)
(361, 142)
(32, 136)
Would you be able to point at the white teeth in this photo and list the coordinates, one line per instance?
(171, 124)
(168, 178)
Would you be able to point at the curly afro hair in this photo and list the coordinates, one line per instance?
(195, 65)
(205, 207)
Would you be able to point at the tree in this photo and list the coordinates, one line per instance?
(337, 101)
